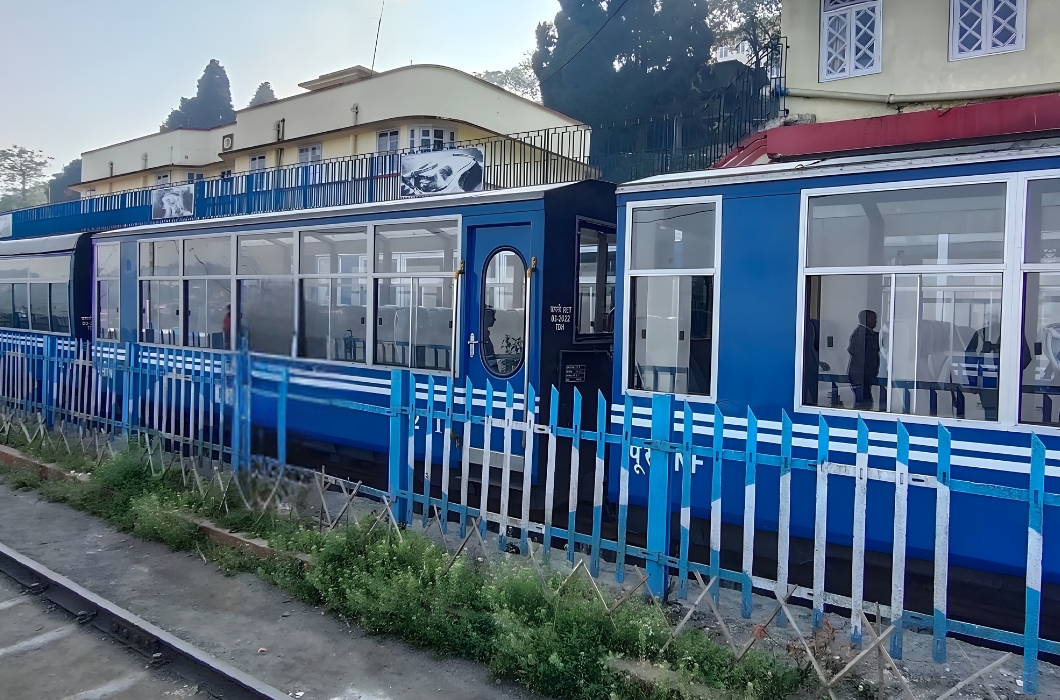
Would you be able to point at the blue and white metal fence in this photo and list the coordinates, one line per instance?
(199, 400)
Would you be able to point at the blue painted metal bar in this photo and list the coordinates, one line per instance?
(428, 445)
(447, 441)
(901, 514)
(784, 515)
(820, 528)
(861, 492)
(281, 419)
(659, 493)
(715, 498)
(1035, 522)
(942, 545)
(506, 469)
(550, 476)
(623, 489)
(575, 468)
(750, 477)
(686, 500)
(410, 462)
(598, 482)
(399, 419)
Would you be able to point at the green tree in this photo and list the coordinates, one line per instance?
(598, 62)
(22, 172)
(211, 106)
(519, 79)
(59, 185)
(262, 95)
(756, 21)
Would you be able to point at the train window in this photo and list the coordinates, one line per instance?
(504, 313)
(597, 261)
(672, 296)
(417, 248)
(923, 339)
(334, 319)
(673, 238)
(49, 267)
(1040, 354)
(160, 312)
(7, 309)
(60, 307)
(108, 261)
(209, 304)
(266, 254)
(108, 270)
(39, 307)
(159, 258)
(208, 256)
(414, 322)
(266, 314)
(334, 252)
(21, 298)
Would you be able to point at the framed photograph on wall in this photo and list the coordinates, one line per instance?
(447, 171)
(173, 202)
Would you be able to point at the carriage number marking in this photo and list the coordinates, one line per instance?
(561, 316)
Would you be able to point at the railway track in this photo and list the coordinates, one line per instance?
(59, 640)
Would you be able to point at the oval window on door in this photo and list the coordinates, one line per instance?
(503, 313)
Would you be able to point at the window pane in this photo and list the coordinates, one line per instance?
(926, 345)
(334, 252)
(1043, 222)
(415, 248)
(316, 315)
(39, 307)
(349, 320)
(1040, 359)
(159, 258)
(7, 316)
(14, 268)
(208, 256)
(209, 314)
(21, 296)
(931, 226)
(596, 282)
(160, 312)
(393, 320)
(50, 267)
(671, 343)
(60, 307)
(266, 314)
(108, 260)
(671, 238)
(266, 254)
(504, 314)
(107, 320)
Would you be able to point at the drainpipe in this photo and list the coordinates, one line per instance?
(986, 94)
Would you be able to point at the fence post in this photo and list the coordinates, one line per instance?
(127, 394)
(942, 545)
(901, 516)
(715, 500)
(662, 419)
(281, 415)
(47, 394)
(1034, 567)
(750, 477)
(820, 523)
(399, 431)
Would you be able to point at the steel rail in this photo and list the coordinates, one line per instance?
(162, 648)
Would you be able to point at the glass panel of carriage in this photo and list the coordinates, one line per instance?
(35, 293)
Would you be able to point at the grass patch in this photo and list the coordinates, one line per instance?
(559, 646)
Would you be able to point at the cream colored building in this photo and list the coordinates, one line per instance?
(342, 114)
(849, 59)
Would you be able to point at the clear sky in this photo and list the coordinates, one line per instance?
(80, 75)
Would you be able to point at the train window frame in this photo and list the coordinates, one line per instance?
(628, 275)
(114, 279)
(176, 279)
(333, 279)
(599, 336)
(240, 277)
(1010, 287)
(482, 309)
(48, 281)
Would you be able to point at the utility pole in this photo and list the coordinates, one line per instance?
(377, 28)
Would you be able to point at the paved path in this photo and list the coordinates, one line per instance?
(232, 617)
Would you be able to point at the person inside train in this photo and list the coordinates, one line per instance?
(864, 350)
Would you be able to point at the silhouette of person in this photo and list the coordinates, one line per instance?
(489, 355)
(864, 367)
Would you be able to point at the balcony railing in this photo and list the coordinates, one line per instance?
(547, 156)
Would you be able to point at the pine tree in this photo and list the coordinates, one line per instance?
(211, 106)
(646, 58)
(22, 172)
(262, 95)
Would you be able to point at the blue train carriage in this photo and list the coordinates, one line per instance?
(919, 289)
(490, 289)
(44, 285)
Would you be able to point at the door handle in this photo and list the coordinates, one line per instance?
(472, 343)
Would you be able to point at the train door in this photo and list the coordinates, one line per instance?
(496, 328)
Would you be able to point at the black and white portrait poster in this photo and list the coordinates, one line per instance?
(6, 225)
(173, 202)
(441, 172)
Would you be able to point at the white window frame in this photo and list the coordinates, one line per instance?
(849, 9)
(141, 278)
(194, 176)
(449, 136)
(988, 28)
(306, 153)
(162, 178)
(628, 273)
(254, 162)
(96, 279)
(1011, 304)
(393, 137)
